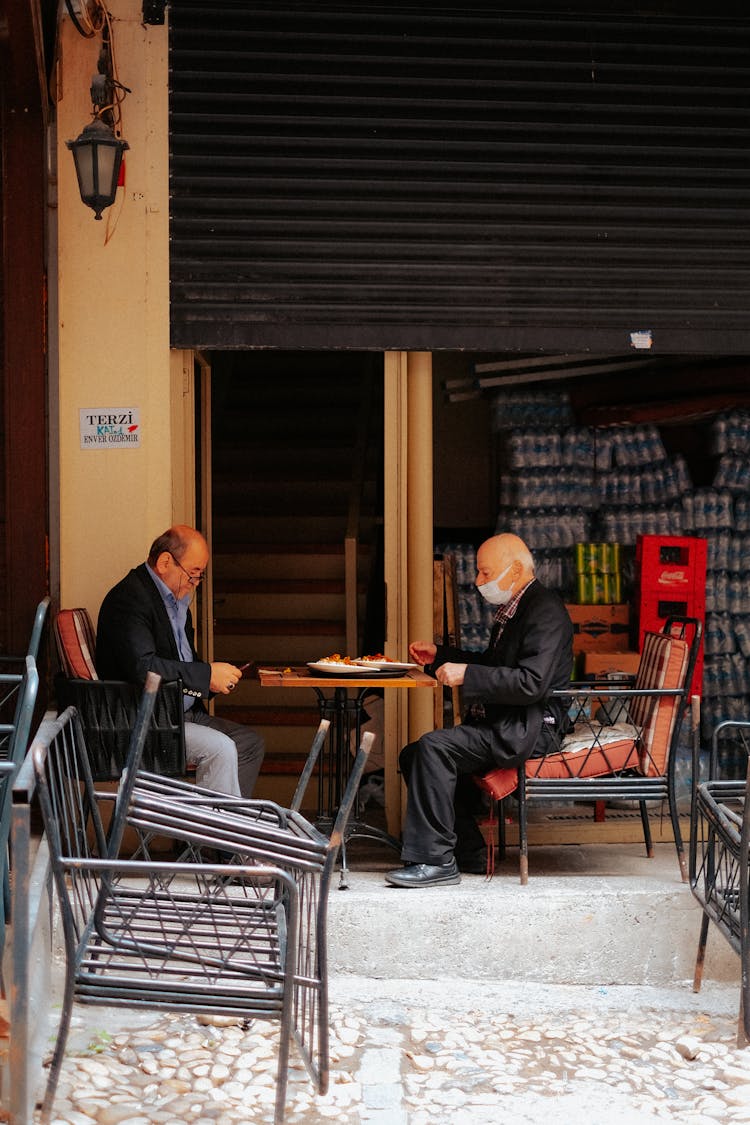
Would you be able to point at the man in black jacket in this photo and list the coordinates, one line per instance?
(510, 714)
(145, 626)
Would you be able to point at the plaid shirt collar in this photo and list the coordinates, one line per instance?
(506, 612)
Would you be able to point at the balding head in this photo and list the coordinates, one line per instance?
(177, 541)
(179, 557)
(504, 557)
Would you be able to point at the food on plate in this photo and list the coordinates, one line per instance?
(336, 659)
(378, 658)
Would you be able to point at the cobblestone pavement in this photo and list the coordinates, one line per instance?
(428, 1053)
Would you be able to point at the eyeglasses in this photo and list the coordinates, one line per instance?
(193, 579)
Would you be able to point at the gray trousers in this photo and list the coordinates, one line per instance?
(227, 756)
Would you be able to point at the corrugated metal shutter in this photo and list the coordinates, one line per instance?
(393, 176)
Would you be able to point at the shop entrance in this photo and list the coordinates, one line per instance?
(296, 503)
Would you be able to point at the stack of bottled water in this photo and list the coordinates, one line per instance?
(644, 491)
(550, 488)
(731, 432)
(544, 529)
(475, 616)
(722, 514)
(512, 410)
(562, 484)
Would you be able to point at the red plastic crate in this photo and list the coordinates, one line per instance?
(671, 575)
(672, 564)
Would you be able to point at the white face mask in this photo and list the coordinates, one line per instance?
(492, 593)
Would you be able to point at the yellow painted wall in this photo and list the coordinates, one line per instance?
(113, 287)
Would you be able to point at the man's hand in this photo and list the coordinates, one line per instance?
(422, 652)
(224, 678)
(452, 675)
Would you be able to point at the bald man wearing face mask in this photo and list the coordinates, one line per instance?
(511, 714)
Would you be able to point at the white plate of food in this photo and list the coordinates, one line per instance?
(335, 667)
(383, 664)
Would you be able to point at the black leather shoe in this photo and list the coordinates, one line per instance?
(424, 875)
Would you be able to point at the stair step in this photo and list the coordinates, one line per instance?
(282, 648)
(286, 562)
(272, 548)
(296, 382)
(285, 607)
(279, 586)
(242, 530)
(307, 717)
(330, 424)
(283, 764)
(272, 627)
(293, 498)
(299, 395)
(272, 460)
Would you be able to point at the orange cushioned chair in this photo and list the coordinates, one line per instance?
(107, 708)
(628, 757)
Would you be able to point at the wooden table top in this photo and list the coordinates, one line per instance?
(300, 676)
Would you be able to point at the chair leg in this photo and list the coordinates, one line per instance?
(743, 1023)
(674, 816)
(59, 1051)
(646, 830)
(501, 829)
(701, 955)
(523, 839)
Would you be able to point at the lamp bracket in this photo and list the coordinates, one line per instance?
(153, 11)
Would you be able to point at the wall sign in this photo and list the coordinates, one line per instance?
(110, 427)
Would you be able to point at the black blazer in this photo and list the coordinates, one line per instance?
(134, 636)
(514, 677)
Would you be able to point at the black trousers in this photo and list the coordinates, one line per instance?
(443, 800)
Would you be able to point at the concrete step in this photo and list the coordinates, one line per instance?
(590, 915)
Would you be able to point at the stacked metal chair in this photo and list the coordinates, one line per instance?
(720, 859)
(236, 927)
(18, 696)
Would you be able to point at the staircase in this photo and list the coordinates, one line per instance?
(288, 435)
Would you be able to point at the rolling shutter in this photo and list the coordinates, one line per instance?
(393, 176)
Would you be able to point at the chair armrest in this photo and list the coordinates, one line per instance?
(124, 867)
(107, 710)
(740, 728)
(296, 841)
(195, 796)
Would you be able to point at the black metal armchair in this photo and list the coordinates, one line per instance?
(107, 708)
(608, 759)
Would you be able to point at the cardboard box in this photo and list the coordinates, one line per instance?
(600, 628)
(602, 663)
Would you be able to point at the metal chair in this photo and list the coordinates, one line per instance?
(155, 787)
(7, 773)
(35, 639)
(606, 759)
(107, 708)
(14, 741)
(720, 860)
(246, 938)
